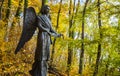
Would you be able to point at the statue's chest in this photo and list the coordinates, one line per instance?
(45, 22)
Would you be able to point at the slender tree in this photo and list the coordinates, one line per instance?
(54, 41)
(25, 6)
(1, 8)
(76, 12)
(107, 66)
(69, 61)
(19, 8)
(8, 9)
(16, 20)
(70, 49)
(6, 20)
(17, 15)
(82, 37)
(99, 44)
(44, 2)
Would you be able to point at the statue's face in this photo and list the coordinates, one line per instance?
(47, 9)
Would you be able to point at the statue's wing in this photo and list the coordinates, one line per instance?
(29, 27)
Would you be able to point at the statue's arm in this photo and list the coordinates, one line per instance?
(53, 32)
(42, 28)
(50, 30)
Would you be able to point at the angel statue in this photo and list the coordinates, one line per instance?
(43, 23)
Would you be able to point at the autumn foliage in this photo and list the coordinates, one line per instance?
(108, 35)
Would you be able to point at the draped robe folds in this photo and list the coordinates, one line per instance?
(42, 52)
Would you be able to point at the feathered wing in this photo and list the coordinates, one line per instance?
(29, 27)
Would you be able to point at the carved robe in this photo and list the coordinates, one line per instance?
(42, 52)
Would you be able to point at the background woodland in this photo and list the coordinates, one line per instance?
(91, 43)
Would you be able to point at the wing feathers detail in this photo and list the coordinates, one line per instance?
(29, 28)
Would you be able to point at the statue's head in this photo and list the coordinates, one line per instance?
(45, 9)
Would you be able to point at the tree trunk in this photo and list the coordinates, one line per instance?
(70, 49)
(82, 37)
(99, 44)
(118, 36)
(53, 46)
(1, 9)
(6, 20)
(44, 2)
(25, 7)
(107, 66)
(17, 17)
(19, 8)
(106, 69)
(76, 12)
(8, 10)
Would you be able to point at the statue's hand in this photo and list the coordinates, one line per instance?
(59, 35)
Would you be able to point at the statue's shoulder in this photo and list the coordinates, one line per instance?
(40, 16)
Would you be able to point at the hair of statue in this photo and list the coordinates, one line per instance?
(44, 8)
